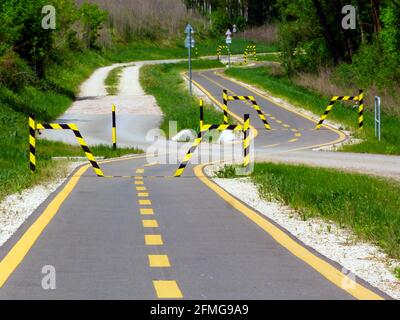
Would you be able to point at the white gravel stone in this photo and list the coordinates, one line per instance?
(16, 208)
(365, 260)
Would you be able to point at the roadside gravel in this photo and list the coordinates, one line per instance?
(16, 208)
(365, 260)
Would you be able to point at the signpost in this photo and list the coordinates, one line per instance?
(189, 43)
(228, 42)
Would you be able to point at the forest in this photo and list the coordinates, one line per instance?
(308, 33)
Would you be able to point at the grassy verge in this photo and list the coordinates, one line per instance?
(367, 205)
(112, 81)
(177, 50)
(47, 99)
(165, 83)
(282, 86)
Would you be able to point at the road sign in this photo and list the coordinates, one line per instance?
(228, 40)
(189, 29)
(189, 44)
(228, 33)
(234, 28)
(187, 41)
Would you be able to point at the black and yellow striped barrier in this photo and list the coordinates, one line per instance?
(114, 128)
(250, 50)
(256, 107)
(33, 126)
(360, 101)
(219, 50)
(204, 128)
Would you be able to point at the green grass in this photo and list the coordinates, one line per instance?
(272, 57)
(282, 86)
(112, 81)
(367, 205)
(177, 50)
(165, 83)
(47, 99)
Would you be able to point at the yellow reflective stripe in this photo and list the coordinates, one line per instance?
(32, 140)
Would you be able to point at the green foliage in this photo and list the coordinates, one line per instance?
(14, 72)
(163, 80)
(93, 18)
(283, 86)
(220, 22)
(391, 29)
(22, 30)
(367, 205)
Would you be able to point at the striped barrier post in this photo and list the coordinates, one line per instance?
(246, 141)
(201, 114)
(32, 142)
(114, 128)
(361, 109)
(359, 98)
(82, 142)
(199, 139)
(256, 107)
(225, 105)
(250, 50)
(219, 50)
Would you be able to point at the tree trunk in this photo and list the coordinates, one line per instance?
(337, 55)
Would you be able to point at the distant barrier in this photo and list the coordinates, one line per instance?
(360, 101)
(251, 50)
(33, 126)
(205, 128)
(219, 50)
(256, 107)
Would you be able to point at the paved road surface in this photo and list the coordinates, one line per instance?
(152, 236)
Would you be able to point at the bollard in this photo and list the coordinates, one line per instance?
(201, 114)
(114, 128)
(32, 142)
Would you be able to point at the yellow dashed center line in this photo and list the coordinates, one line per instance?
(159, 261)
(293, 140)
(298, 134)
(146, 211)
(150, 223)
(145, 202)
(153, 240)
(143, 194)
(272, 145)
(167, 289)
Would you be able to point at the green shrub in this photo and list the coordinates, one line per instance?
(14, 72)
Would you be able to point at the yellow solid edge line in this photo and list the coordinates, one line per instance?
(167, 289)
(324, 268)
(15, 256)
(342, 136)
